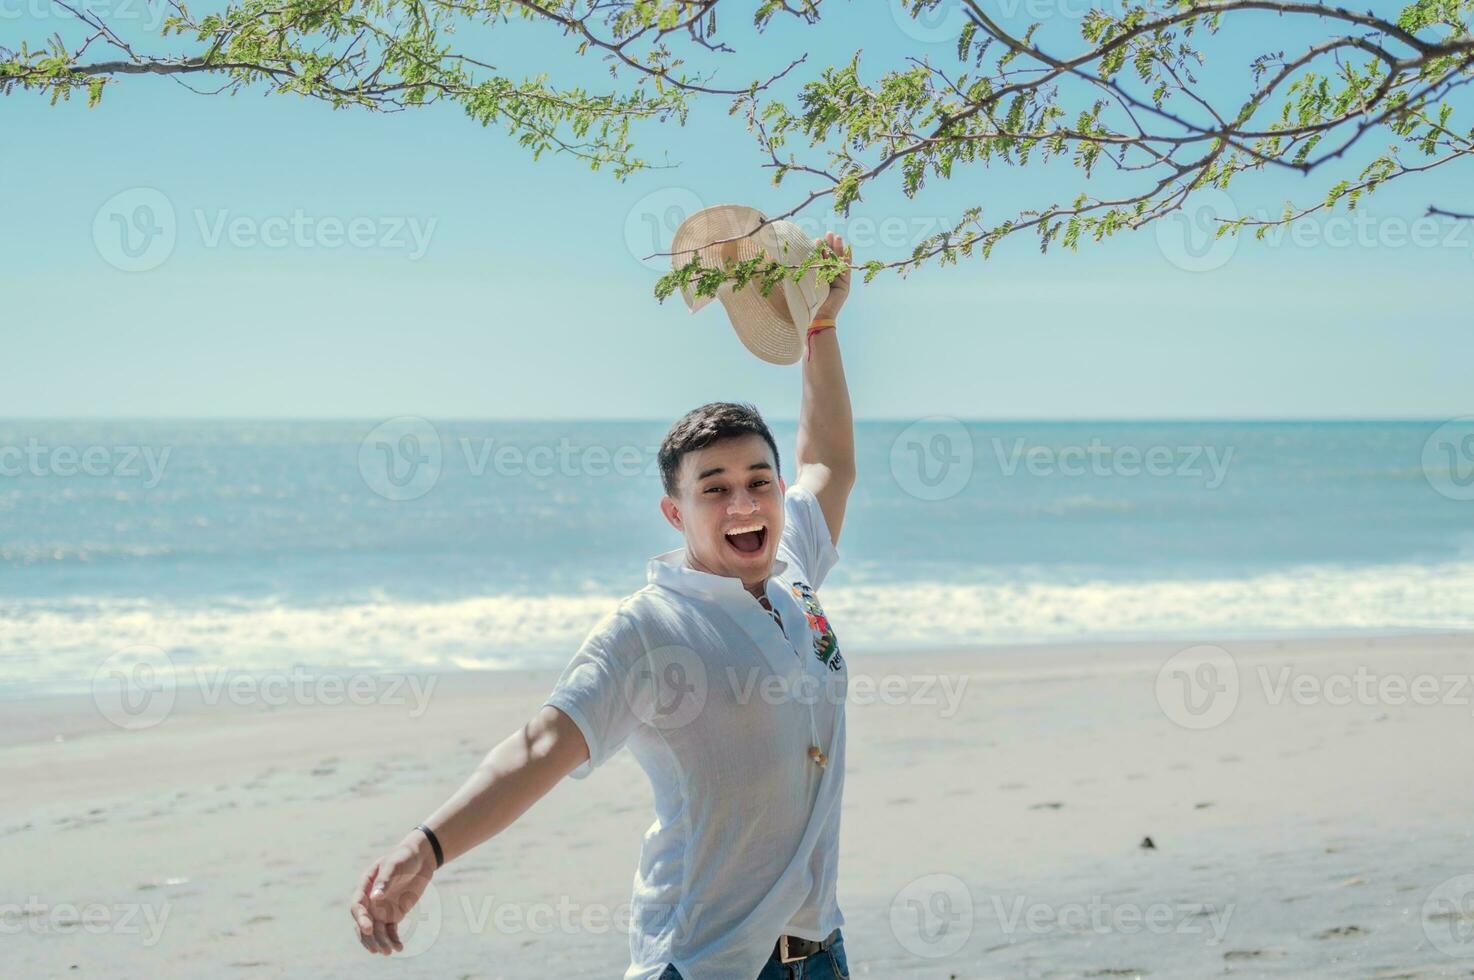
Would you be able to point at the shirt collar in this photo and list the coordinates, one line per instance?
(670, 570)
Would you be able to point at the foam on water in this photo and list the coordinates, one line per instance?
(260, 545)
(59, 645)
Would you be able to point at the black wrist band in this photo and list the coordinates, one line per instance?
(434, 844)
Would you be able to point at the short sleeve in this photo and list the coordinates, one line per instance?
(592, 690)
(806, 544)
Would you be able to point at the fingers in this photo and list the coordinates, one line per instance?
(390, 882)
(365, 924)
(358, 909)
(358, 903)
(367, 881)
(835, 244)
(374, 911)
(381, 937)
(396, 889)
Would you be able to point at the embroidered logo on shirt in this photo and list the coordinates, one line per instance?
(826, 644)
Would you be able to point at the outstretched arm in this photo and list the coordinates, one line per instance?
(512, 777)
(826, 430)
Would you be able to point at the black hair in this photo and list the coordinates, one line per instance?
(703, 426)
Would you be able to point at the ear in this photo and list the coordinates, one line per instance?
(672, 513)
(782, 487)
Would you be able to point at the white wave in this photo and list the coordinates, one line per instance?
(64, 641)
(1307, 599)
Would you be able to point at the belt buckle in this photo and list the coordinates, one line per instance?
(783, 955)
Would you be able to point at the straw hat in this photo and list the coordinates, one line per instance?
(775, 337)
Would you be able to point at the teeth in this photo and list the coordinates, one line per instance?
(750, 527)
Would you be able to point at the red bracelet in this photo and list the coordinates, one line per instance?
(814, 327)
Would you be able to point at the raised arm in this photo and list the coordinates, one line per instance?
(513, 776)
(825, 455)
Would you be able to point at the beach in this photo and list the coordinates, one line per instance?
(1032, 811)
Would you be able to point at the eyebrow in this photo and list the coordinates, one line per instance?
(722, 469)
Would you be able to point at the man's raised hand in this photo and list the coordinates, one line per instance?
(839, 288)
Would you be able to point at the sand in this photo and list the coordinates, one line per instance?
(997, 805)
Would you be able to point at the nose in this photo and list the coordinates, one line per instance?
(741, 502)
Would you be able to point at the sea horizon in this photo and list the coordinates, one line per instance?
(418, 544)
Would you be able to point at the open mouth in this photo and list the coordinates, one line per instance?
(748, 539)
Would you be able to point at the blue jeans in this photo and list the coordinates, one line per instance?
(828, 964)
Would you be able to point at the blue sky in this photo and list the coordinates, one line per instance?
(527, 298)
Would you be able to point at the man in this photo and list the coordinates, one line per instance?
(725, 680)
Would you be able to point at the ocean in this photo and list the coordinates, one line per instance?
(418, 544)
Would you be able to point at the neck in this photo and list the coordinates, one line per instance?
(759, 589)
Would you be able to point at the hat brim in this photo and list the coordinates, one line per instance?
(734, 229)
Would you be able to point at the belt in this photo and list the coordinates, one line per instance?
(791, 949)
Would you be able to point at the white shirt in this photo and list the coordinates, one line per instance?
(720, 707)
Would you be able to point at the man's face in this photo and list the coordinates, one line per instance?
(729, 506)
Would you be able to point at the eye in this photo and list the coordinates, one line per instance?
(761, 483)
(714, 489)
